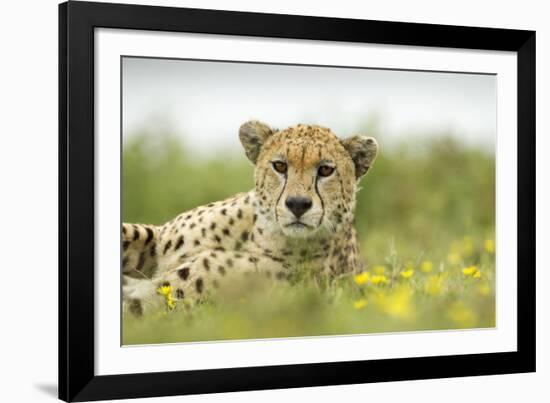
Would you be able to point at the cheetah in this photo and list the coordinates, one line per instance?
(300, 211)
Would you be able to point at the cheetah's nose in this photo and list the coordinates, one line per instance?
(298, 205)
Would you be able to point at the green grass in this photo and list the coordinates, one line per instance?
(428, 201)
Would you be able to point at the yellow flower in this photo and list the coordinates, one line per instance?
(379, 279)
(380, 269)
(170, 301)
(462, 315)
(471, 271)
(407, 273)
(361, 278)
(360, 304)
(489, 245)
(426, 266)
(166, 291)
(397, 303)
(434, 285)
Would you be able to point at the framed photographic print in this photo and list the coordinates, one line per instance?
(255, 201)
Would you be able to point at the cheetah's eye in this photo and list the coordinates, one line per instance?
(280, 166)
(325, 170)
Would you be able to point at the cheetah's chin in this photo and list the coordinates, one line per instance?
(298, 229)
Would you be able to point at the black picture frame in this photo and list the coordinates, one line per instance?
(77, 379)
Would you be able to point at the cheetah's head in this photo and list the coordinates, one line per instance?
(306, 178)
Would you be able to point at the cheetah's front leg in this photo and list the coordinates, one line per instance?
(193, 280)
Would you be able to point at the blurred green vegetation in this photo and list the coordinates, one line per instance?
(426, 203)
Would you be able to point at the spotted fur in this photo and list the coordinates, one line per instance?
(260, 231)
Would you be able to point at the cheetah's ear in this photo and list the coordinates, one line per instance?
(253, 135)
(363, 151)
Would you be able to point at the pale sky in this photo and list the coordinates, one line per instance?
(206, 102)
